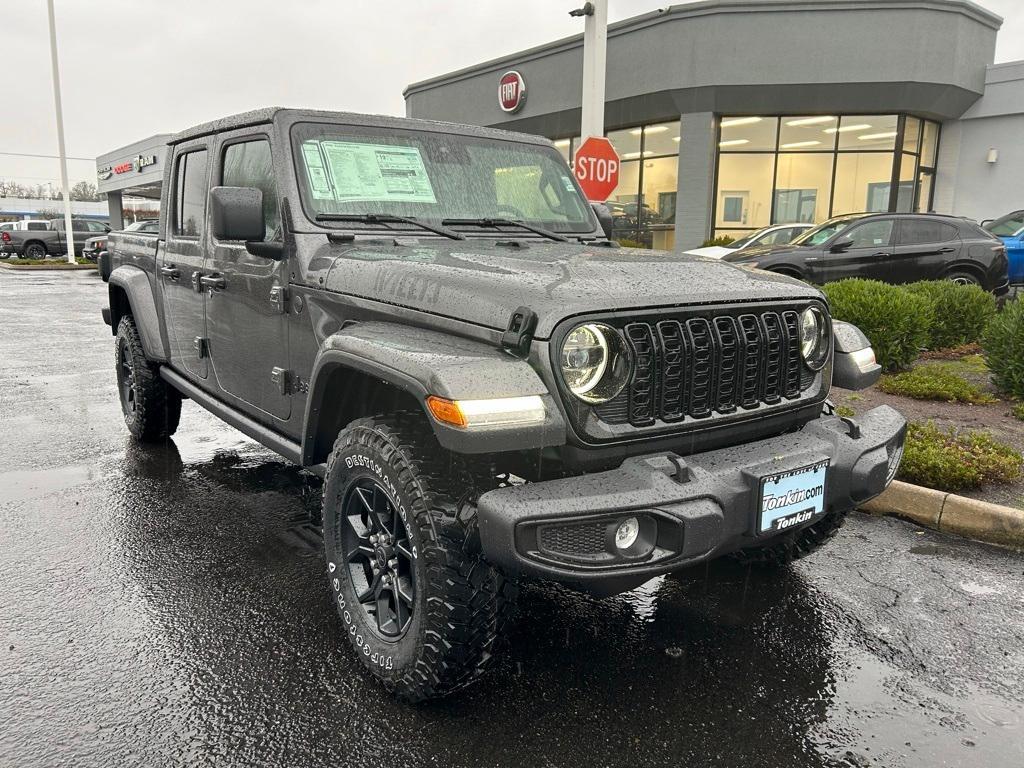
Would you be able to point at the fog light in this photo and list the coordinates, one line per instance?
(626, 533)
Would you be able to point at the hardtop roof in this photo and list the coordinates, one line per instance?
(269, 115)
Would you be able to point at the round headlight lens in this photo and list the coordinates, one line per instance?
(595, 362)
(813, 338)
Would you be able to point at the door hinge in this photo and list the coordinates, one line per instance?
(201, 346)
(279, 298)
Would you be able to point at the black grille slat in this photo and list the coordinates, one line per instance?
(643, 387)
(791, 378)
(674, 390)
(772, 358)
(727, 342)
(750, 330)
(702, 367)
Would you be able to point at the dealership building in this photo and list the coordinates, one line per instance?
(730, 115)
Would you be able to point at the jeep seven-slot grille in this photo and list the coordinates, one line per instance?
(698, 366)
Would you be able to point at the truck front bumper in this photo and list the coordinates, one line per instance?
(689, 509)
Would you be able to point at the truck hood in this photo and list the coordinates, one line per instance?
(483, 283)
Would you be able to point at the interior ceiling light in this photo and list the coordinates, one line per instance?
(740, 121)
(811, 120)
(869, 136)
(795, 144)
(562, 143)
(845, 128)
(657, 128)
(675, 138)
(733, 142)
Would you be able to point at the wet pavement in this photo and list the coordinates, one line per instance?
(167, 607)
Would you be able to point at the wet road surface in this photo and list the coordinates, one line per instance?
(166, 607)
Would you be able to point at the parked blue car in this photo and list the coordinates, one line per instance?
(1010, 229)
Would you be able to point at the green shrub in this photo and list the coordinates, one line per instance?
(960, 312)
(1003, 346)
(952, 461)
(938, 381)
(627, 243)
(721, 240)
(845, 411)
(1018, 411)
(895, 320)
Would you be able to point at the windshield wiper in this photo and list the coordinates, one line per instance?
(377, 218)
(495, 223)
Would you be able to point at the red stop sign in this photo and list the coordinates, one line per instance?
(597, 168)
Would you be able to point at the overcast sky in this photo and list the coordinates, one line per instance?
(132, 68)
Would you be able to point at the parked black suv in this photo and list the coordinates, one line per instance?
(431, 317)
(891, 247)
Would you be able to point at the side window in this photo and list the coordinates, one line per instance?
(871, 234)
(190, 194)
(920, 231)
(96, 226)
(249, 164)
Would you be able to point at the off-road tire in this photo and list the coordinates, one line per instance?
(151, 407)
(461, 604)
(34, 250)
(786, 548)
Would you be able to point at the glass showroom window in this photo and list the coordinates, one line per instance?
(643, 206)
(806, 168)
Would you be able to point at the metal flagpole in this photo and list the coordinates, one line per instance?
(69, 232)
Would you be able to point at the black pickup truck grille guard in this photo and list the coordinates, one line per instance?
(692, 367)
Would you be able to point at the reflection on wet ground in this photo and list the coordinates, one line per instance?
(167, 606)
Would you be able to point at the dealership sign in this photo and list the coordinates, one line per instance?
(597, 168)
(511, 91)
(137, 164)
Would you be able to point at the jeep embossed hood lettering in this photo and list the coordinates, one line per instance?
(483, 283)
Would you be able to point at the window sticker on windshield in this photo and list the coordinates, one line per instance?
(567, 182)
(377, 172)
(318, 181)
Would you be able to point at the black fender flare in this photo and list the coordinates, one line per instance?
(139, 291)
(424, 362)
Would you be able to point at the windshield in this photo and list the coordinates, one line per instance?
(1007, 226)
(823, 232)
(435, 177)
(743, 241)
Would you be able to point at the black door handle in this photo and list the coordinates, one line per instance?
(881, 255)
(947, 249)
(170, 273)
(213, 282)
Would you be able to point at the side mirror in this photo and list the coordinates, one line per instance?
(236, 213)
(604, 218)
(986, 221)
(840, 245)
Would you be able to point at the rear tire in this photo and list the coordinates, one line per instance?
(961, 277)
(35, 251)
(151, 407)
(422, 609)
(788, 547)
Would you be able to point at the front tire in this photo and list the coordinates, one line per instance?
(424, 612)
(787, 547)
(151, 407)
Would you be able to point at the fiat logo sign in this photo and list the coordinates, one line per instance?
(511, 91)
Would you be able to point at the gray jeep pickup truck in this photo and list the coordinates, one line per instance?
(433, 319)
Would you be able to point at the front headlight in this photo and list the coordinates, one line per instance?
(814, 338)
(595, 362)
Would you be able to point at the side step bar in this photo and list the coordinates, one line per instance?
(290, 449)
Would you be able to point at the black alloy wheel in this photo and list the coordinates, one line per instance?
(376, 551)
(126, 380)
(35, 251)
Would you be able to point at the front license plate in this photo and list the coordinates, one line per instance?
(791, 498)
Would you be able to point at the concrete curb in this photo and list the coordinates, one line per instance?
(950, 513)
(45, 267)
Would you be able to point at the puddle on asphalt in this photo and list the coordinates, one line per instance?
(21, 484)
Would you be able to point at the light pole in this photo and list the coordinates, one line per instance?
(69, 232)
(595, 44)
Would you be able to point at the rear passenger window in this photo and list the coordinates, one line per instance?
(190, 194)
(249, 164)
(920, 231)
